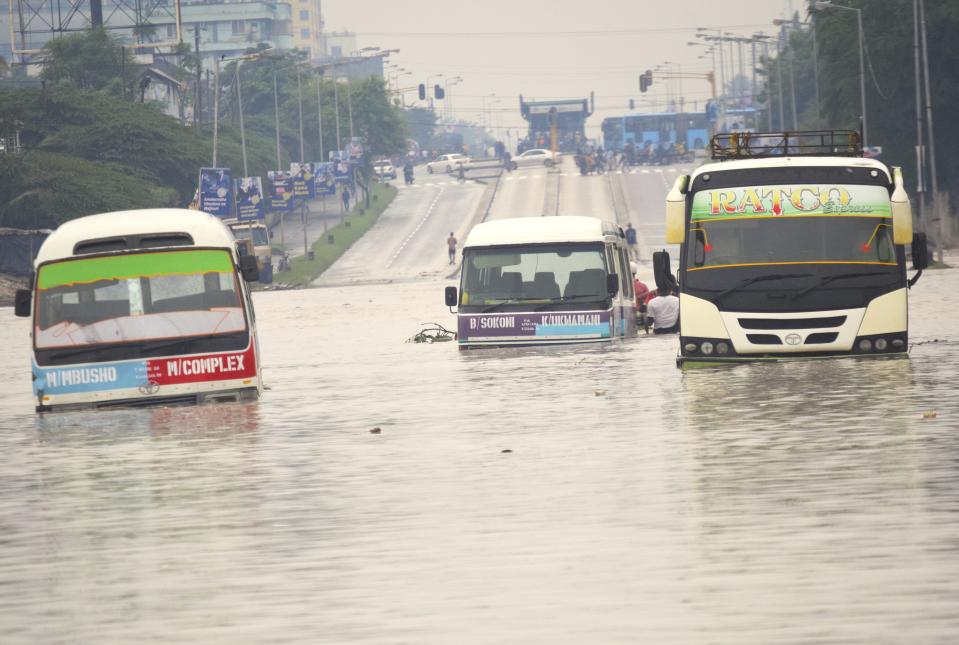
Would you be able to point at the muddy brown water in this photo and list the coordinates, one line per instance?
(803, 502)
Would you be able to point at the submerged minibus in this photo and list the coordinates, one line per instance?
(792, 245)
(543, 280)
(147, 307)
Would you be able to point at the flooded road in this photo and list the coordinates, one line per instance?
(796, 502)
(565, 495)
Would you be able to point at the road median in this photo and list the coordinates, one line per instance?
(334, 242)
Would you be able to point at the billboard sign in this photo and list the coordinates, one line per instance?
(323, 178)
(216, 192)
(249, 198)
(303, 185)
(281, 193)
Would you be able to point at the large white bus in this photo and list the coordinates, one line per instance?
(544, 280)
(792, 245)
(141, 308)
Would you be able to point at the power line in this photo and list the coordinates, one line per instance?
(547, 34)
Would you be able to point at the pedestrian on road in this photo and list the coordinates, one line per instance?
(346, 199)
(451, 245)
(462, 173)
(631, 241)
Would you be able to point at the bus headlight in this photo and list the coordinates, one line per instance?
(881, 344)
(865, 345)
(706, 347)
(691, 347)
(722, 348)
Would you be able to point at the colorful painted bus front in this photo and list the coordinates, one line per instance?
(141, 308)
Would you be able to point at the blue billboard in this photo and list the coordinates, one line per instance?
(216, 192)
(249, 198)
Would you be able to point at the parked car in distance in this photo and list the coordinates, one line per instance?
(384, 169)
(448, 163)
(534, 157)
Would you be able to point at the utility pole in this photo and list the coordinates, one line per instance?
(216, 105)
(336, 109)
(815, 70)
(349, 105)
(299, 100)
(920, 157)
(936, 206)
(319, 112)
(276, 117)
(239, 101)
(198, 109)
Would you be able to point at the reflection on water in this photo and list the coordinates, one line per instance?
(792, 502)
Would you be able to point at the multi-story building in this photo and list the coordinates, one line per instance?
(306, 19)
(228, 29)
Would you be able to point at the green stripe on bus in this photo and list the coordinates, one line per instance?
(120, 267)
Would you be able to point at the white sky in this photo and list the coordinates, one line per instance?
(434, 37)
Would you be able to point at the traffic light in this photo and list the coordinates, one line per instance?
(422, 92)
(438, 92)
(645, 80)
(632, 104)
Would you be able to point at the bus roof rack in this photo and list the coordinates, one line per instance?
(809, 143)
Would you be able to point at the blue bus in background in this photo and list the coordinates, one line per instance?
(690, 129)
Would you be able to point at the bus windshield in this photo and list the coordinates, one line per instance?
(534, 274)
(137, 297)
(776, 225)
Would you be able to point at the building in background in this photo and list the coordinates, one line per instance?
(343, 53)
(228, 29)
(307, 27)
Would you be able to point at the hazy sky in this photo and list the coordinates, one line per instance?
(544, 48)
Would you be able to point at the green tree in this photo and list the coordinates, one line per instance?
(890, 78)
(91, 60)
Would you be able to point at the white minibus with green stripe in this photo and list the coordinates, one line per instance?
(146, 307)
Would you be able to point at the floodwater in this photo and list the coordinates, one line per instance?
(585, 495)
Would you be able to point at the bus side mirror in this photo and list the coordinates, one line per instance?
(21, 303)
(612, 284)
(662, 273)
(676, 211)
(901, 210)
(920, 252)
(451, 297)
(248, 268)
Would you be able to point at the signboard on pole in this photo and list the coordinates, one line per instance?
(354, 149)
(281, 193)
(343, 171)
(323, 178)
(216, 192)
(302, 175)
(249, 198)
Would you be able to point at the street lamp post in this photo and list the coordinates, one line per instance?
(826, 4)
(239, 102)
(276, 117)
(448, 97)
(299, 100)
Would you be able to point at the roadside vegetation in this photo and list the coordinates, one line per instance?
(93, 144)
(303, 271)
(890, 79)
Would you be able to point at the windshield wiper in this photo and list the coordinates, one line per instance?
(759, 278)
(830, 278)
(561, 299)
(510, 301)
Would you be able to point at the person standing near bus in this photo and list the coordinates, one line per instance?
(631, 241)
(451, 246)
